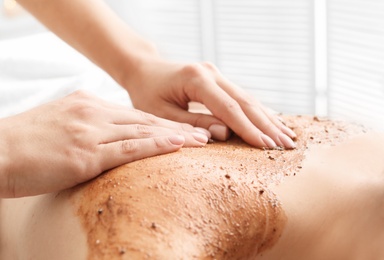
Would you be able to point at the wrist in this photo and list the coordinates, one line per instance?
(135, 66)
(129, 60)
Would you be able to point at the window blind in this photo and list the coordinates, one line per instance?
(175, 27)
(356, 60)
(288, 54)
(267, 47)
(264, 46)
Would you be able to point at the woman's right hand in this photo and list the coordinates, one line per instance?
(69, 141)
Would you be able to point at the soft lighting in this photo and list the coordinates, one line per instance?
(11, 7)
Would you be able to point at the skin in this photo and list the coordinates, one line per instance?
(320, 201)
(336, 204)
(68, 131)
(63, 143)
(155, 85)
(70, 138)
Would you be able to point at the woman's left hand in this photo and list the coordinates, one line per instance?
(165, 89)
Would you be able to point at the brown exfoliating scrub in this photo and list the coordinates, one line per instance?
(210, 203)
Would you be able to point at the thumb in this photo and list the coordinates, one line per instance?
(215, 126)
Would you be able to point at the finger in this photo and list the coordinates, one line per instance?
(134, 116)
(256, 113)
(114, 133)
(279, 122)
(263, 122)
(123, 115)
(217, 128)
(114, 154)
(225, 108)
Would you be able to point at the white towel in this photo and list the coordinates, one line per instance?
(39, 68)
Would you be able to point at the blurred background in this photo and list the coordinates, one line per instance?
(322, 57)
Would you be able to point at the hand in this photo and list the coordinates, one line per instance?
(165, 89)
(157, 86)
(69, 141)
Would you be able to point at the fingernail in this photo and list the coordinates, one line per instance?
(202, 138)
(219, 132)
(268, 141)
(289, 131)
(177, 139)
(203, 131)
(287, 142)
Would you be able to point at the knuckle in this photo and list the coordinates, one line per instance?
(76, 130)
(80, 94)
(201, 121)
(185, 127)
(81, 138)
(210, 66)
(82, 104)
(143, 131)
(194, 70)
(146, 117)
(159, 143)
(129, 146)
(84, 110)
(198, 76)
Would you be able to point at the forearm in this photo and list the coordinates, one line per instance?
(157, 86)
(5, 160)
(92, 28)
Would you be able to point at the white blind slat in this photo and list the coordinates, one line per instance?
(356, 60)
(267, 48)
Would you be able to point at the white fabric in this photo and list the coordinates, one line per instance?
(39, 68)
